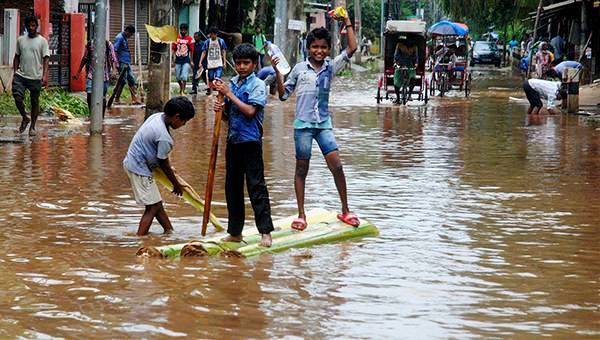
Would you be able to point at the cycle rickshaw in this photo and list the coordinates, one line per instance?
(450, 52)
(403, 30)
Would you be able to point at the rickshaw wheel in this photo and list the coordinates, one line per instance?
(431, 87)
(442, 85)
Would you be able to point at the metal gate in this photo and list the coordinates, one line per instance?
(60, 46)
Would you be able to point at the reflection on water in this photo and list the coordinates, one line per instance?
(488, 219)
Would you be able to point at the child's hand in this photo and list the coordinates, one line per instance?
(275, 62)
(177, 189)
(220, 86)
(219, 106)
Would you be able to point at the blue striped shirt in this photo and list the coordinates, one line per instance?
(312, 104)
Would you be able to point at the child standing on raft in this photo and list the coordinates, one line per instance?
(312, 80)
(150, 148)
(246, 97)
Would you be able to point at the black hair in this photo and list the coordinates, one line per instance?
(180, 105)
(183, 26)
(29, 19)
(318, 34)
(245, 51)
(551, 73)
(130, 29)
(214, 30)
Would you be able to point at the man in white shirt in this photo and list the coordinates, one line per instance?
(535, 89)
(30, 68)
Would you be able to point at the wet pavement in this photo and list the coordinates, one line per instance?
(489, 227)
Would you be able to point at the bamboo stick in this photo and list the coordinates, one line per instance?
(212, 165)
(189, 194)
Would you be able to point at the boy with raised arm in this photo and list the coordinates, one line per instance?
(311, 80)
(149, 149)
(246, 98)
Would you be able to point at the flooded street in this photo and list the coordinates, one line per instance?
(488, 221)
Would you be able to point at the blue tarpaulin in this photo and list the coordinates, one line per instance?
(446, 27)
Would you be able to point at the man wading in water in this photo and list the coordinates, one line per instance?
(30, 68)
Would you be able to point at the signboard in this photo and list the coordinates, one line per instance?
(296, 25)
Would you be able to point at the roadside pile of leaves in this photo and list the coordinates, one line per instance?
(50, 101)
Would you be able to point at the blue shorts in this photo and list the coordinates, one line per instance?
(88, 87)
(215, 73)
(303, 139)
(182, 71)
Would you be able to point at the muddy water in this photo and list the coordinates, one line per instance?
(489, 227)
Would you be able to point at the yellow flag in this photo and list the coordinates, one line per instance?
(164, 34)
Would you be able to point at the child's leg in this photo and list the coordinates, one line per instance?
(234, 189)
(147, 217)
(335, 166)
(329, 148)
(257, 188)
(302, 166)
(303, 142)
(163, 219)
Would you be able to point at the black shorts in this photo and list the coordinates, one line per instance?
(532, 95)
(20, 84)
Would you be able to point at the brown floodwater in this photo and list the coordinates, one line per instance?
(489, 228)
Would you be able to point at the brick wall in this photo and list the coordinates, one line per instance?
(25, 8)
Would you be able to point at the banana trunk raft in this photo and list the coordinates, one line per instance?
(323, 227)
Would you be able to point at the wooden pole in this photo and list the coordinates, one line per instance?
(212, 166)
(535, 28)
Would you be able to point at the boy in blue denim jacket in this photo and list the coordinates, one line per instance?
(246, 98)
(311, 80)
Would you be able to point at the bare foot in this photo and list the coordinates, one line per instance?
(24, 124)
(266, 240)
(168, 231)
(32, 132)
(231, 238)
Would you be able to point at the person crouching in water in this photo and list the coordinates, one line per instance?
(246, 97)
(535, 89)
(149, 149)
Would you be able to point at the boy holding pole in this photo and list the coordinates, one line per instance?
(245, 99)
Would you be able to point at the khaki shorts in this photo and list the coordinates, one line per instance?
(144, 188)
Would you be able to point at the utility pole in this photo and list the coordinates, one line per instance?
(158, 64)
(280, 27)
(295, 11)
(98, 64)
(358, 28)
(382, 27)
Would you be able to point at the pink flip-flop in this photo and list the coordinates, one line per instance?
(349, 218)
(299, 224)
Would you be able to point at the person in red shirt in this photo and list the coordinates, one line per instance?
(183, 48)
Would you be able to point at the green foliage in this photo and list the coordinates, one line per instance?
(480, 14)
(48, 99)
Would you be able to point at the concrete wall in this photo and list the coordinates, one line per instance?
(6, 75)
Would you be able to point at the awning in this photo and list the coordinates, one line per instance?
(559, 5)
(551, 10)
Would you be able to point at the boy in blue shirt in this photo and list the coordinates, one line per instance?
(312, 80)
(150, 148)
(244, 105)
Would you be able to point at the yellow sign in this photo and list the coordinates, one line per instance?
(165, 34)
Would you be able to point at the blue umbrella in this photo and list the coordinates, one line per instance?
(446, 27)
